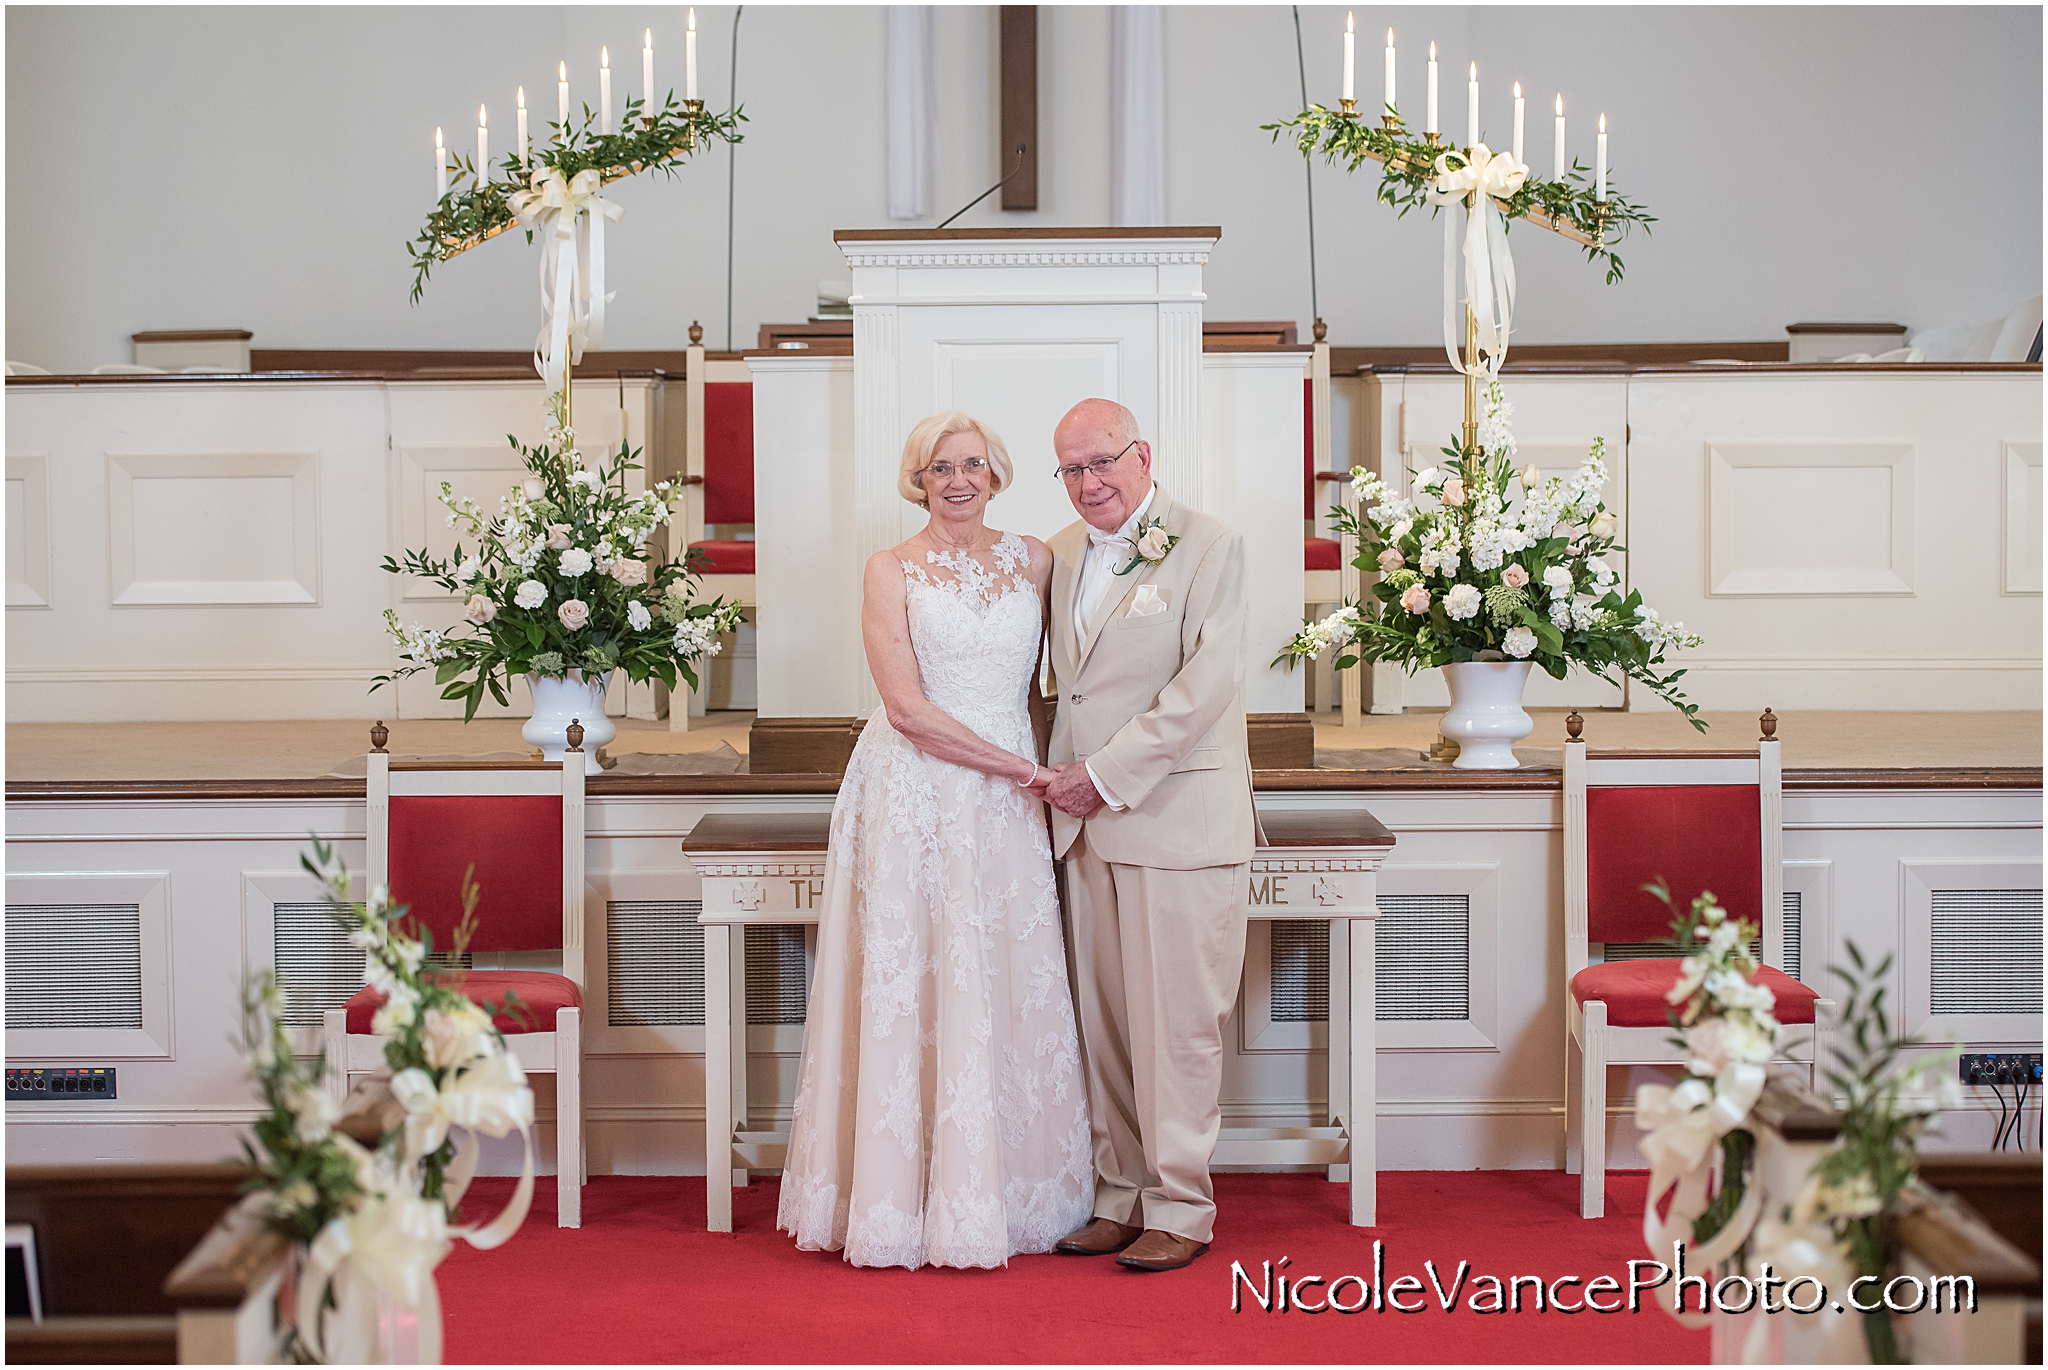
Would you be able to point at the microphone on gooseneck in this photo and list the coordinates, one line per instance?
(991, 190)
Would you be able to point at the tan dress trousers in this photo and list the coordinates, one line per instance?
(1157, 958)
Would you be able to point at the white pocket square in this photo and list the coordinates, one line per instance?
(1149, 600)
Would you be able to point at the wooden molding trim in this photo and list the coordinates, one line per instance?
(177, 335)
(810, 832)
(1018, 47)
(1845, 328)
(1280, 742)
(824, 745)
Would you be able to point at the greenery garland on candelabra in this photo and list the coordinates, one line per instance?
(478, 208)
(1413, 164)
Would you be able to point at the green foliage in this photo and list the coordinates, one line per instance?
(1412, 165)
(309, 1171)
(477, 205)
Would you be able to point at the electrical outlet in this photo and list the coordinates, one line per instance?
(72, 1084)
(1995, 1068)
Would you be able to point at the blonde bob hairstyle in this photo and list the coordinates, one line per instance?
(924, 440)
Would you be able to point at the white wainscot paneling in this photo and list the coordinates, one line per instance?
(213, 527)
(2022, 518)
(1971, 964)
(28, 531)
(1765, 502)
(89, 965)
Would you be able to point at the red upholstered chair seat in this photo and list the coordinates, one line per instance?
(1634, 991)
(539, 992)
(729, 556)
(1321, 554)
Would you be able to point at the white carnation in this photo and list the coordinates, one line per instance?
(530, 595)
(1462, 601)
(1519, 642)
(637, 615)
(575, 562)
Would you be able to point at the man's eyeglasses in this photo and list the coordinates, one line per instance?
(1099, 468)
(946, 470)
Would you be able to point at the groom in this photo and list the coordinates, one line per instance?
(1153, 815)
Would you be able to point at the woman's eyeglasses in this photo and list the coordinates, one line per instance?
(1099, 468)
(946, 470)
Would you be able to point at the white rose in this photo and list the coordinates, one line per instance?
(1400, 530)
(1532, 476)
(1603, 525)
(637, 615)
(395, 1014)
(627, 571)
(583, 478)
(467, 571)
(1519, 642)
(575, 562)
(480, 610)
(532, 487)
(1462, 601)
(1152, 543)
(558, 536)
(456, 1037)
(1558, 579)
(530, 595)
(574, 613)
(1426, 477)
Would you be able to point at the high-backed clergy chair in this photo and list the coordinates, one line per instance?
(520, 823)
(1697, 821)
(1328, 577)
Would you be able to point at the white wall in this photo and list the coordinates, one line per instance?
(262, 167)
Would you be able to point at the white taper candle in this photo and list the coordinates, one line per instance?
(1558, 161)
(1391, 106)
(483, 145)
(562, 94)
(648, 105)
(1472, 108)
(1350, 38)
(525, 140)
(604, 90)
(1600, 176)
(690, 57)
(1518, 121)
(1430, 127)
(440, 167)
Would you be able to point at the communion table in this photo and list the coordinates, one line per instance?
(1319, 864)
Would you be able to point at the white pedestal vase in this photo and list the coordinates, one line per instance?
(1486, 719)
(559, 700)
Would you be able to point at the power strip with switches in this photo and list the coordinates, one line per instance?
(72, 1084)
(1994, 1068)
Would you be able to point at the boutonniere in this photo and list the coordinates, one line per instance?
(1151, 545)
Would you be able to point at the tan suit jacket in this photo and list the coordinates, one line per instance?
(1155, 703)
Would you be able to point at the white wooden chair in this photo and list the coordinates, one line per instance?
(520, 823)
(1328, 577)
(1698, 821)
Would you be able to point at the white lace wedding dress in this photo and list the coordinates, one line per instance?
(940, 1114)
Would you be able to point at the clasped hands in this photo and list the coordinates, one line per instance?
(1068, 788)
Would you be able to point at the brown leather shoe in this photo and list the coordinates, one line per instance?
(1158, 1250)
(1100, 1237)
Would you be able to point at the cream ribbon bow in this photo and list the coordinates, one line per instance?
(568, 214)
(379, 1263)
(1686, 1125)
(490, 1097)
(1795, 1251)
(1489, 269)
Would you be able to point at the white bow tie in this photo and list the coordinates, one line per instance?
(1102, 539)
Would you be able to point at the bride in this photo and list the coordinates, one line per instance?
(940, 1113)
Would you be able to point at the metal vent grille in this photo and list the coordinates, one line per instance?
(74, 966)
(1794, 932)
(1653, 951)
(655, 955)
(1424, 970)
(1986, 952)
(777, 988)
(311, 951)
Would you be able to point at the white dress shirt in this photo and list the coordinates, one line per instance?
(1107, 554)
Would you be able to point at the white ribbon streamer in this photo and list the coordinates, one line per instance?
(1686, 1125)
(569, 215)
(490, 1097)
(1489, 268)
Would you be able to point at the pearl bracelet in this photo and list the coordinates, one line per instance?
(1028, 783)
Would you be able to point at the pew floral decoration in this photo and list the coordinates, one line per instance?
(1837, 1228)
(1469, 572)
(1725, 1024)
(561, 577)
(369, 1198)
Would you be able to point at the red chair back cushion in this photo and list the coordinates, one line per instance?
(728, 452)
(1693, 837)
(515, 842)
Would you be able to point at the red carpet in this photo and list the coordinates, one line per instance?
(643, 1281)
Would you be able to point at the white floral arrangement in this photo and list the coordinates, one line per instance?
(1468, 572)
(376, 1220)
(561, 578)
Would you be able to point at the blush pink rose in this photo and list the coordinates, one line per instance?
(1514, 577)
(574, 613)
(1392, 560)
(627, 571)
(558, 536)
(1415, 600)
(1454, 491)
(480, 610)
